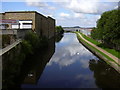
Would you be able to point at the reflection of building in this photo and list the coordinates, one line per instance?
(42, 25)
(43, 59)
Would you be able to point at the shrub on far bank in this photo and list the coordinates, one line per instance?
(59, 30)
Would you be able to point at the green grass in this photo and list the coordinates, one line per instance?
(90, 39)
(93, 48)
(112, 51)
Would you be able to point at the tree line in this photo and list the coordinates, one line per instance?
(108, 29)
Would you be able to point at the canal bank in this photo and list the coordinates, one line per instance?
(107, 57)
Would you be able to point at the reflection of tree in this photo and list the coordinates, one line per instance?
(59, 37)
(38, 63)
(106, 76)
(15, 70)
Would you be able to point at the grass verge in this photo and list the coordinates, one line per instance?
(112, 51)
(93, 48)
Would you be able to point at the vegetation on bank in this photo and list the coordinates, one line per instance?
(7, 39)
(59, 33)
(107, 30)
(93, 48)
(59, 30)
(99, 44)
(32, 42)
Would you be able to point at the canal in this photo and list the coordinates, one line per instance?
(73, 66)
(66, 63)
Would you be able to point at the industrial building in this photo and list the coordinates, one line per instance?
(29, 20)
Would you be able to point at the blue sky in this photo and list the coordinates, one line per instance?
(83, 13)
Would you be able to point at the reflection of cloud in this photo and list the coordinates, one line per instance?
(69, 53)
(85, 77)
(85, 63)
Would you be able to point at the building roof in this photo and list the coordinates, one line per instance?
(28, 12)
(21, 12)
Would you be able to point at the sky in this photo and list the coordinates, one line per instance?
(67, 13)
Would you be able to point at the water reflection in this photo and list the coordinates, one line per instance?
(35, 73)
(11, 62)
(69, 51)
(58, 37)
(27, 71)
(105, 76)
(68, 67)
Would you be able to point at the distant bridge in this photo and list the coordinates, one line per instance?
(72, 29)
(86, 31)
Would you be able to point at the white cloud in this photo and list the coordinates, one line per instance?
(78, 6)
(55, 0)
(42, 5)
(77, 10)
(89, 6)
(79, 15)
(37, 4)
(82, 6)
(64, 14)
(112, 0)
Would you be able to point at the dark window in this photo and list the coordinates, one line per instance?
(27, 23)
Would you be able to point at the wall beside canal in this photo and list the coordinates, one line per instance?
(111, 63)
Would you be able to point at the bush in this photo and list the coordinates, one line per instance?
(26, 47)
(5, 40)
(33, 39)
(59, 30)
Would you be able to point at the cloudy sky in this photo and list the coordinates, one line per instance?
(83, 13)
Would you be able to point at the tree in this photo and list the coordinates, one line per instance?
(107, 29)
(59, 30)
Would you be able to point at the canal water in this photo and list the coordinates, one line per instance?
(68, 64)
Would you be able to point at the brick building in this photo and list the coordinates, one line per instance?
(43, 26)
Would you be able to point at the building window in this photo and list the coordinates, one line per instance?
(27, 23)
